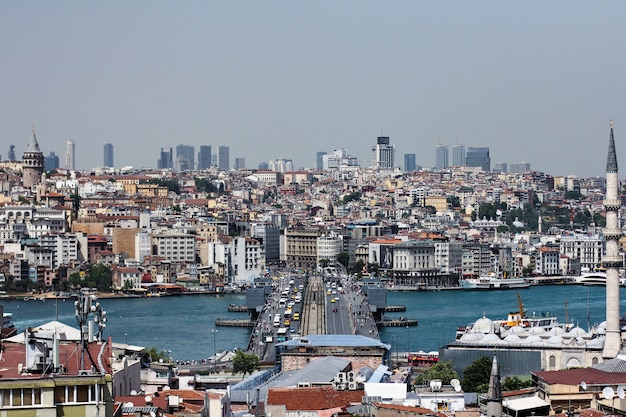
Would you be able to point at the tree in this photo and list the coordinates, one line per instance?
(245, 362)
(441, 370)
(153, 355)
(476, 376)
(513, 383)
(343, 258)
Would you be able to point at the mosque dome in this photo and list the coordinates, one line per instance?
(537, 330)
(518, 330)
(576, 332)
(483, 325)
(471, 337)
(533, 338)
(556, 331)
(555, 340)
(491, 339)
(512, 338)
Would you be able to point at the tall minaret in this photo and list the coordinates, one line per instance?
(611, 259)
(494, 394)
(32, 163)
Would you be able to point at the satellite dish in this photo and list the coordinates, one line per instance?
(608, 393)
(133, 392)
(583, 385)
(620, 392)
(166, 388)
(456, 384)
(142, 387)
(128, 404)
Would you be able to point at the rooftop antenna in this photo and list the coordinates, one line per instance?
(566, 302)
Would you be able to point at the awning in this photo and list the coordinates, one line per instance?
(526, 403)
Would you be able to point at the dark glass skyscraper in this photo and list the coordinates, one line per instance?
(165, 160)
(204, 157)
(320, 160)
(409, 162)
(108, 155)
(478, 157)
(185, 158)
(51, 162)
(223, 157)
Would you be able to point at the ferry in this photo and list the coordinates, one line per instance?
(423, 359)
(596, 278)
(8, 329)
(493, 283)
(519, 318)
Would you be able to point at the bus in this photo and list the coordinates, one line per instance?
(288, 313)
(281, 334)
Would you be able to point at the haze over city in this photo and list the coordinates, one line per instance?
(535, 83)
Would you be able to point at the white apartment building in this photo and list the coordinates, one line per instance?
(328, 247)
(175, 247)
(143, 245)
(17, 222)
(449, 257)
(586, 248)
(548, 261)
(64, 248)
(241, 258)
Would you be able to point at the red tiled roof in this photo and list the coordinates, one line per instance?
(315, 398)
(574, 376)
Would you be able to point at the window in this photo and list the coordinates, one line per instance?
(19, 397)
(552, 361)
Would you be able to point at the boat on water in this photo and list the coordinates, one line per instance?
(8, 328)
(492, 282)
(536, 324)
(596, 278)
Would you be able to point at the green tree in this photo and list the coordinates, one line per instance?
(154, 355)
(514, 383)
(100, 277)
(476, 376)
(573, 195)
(245, 363)
(343, 258)
(357, 268)
(441, 370)
(453, 201)
(324, 262)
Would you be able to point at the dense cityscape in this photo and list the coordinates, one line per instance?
(315, 250)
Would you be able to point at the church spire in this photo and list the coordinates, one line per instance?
(33, 146)
(494, 394)
(611, 160)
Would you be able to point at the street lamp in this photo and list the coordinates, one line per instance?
(126, 335)
(214, 331)
(409, 352)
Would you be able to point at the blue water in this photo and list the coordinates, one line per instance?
(183, 324)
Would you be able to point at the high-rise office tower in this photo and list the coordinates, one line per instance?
(409, 162)
(223, 158)
(51, 162)
(383, 153)
(204, 157)
(264, 166)
(185, 158)
(281, 165)
(519, 167)
(441, 157)
(108, 155)
(478, 157)
(165, 160)
(32, 163)
(12, 153)
(612, 260)
(240, 163)
(458, 155)
(320, 160)
(70, 156)
(501, 167)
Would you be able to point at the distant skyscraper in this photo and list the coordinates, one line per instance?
(519, 168)
(409, 162)
(204, 157)
(51, 162)
(281, 165)
(383, 153)
(108, 155)
(12, 153)
(264, 166)
(320, 160)
(32, 161)
(441, 157)
(70, 156)
(223, 158)
(185, 158)
(502, 167)
(458, 155)
(165, 159)
(478, 157)
(240, 163)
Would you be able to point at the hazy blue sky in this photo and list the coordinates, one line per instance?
(534, 81)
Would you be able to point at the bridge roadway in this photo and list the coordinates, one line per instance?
(328, 306)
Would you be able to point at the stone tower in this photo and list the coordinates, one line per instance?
(32, 163)
(494, 394)
(611, 259)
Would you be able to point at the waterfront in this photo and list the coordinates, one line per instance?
(183, 324)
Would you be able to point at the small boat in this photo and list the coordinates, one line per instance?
(8, 328)
(491, 282)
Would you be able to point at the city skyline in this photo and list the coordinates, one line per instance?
(311, 80)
